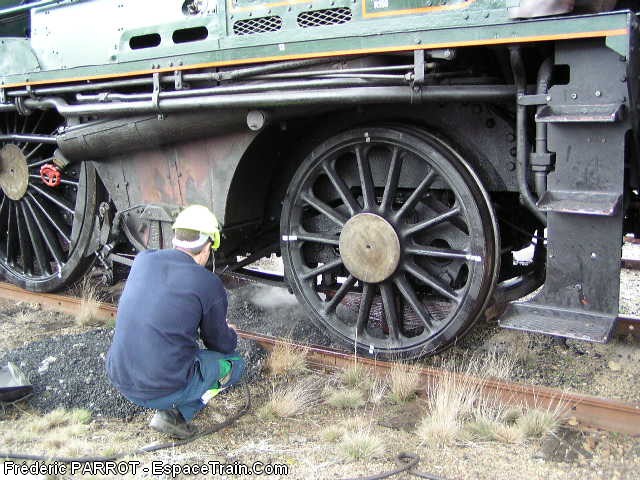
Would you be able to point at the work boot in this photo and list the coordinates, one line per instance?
(173, 424)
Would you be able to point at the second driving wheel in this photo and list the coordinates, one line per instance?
(389, 240)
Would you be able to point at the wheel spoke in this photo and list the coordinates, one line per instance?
(23, 238)
(365, 308)
(323, 268)
(366, 179)
(49, 237)
(63, 181)
(340, 294)
(409, 294)
(416, 195)
(317, 238)
(392, 181)
(325, 209)
(442, 253)
(432, 222)
(342, 189)
(426, 278)
(73, 183)
(390, 310)
(11, 247)
(54, 198)
(37, 125)
(36, 242)
(40, 162)
(52, 217)
(32, 152)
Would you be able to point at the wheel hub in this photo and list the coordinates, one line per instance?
(14, 172)
(369, 247)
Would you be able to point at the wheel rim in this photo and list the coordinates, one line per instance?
(43, 224)
(389, 241)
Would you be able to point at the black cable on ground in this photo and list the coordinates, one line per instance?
(407, 462)
(151, 448)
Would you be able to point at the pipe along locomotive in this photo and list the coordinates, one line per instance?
(416, 163)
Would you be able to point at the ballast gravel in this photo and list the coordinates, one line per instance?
(69, 371)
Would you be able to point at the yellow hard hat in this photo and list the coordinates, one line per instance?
(200, 219)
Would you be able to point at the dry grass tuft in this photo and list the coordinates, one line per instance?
(361, 444)
(356, 376)
(346, 398)
(404, 381)
(332, 434)
(60, 430)
(481, 429)
(290, 400)
(460, 410)
(511, 415)
(59, 418)
(537, 423)
(89, 311)
(508, 434)
(287, 359)
(378, 390)
(438, 431)
(492, 364)
(451, 401)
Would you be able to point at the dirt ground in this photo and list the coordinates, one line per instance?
(301, 444)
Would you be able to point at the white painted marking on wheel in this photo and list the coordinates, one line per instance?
(370, 349)
(289, 238)
(474, 258)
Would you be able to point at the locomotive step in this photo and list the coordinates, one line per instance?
(567, 323)
(580, 203)
(606, 113)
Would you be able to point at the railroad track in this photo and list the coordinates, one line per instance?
(631, 263)
(588, 411)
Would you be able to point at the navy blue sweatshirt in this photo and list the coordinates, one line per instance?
(168, 297)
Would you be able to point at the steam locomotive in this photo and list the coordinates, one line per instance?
(416, 163)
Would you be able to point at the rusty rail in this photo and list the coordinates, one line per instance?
(630, 239)
(588, 411)
(630, 263)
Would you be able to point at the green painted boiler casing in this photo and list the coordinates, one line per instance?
(117, 38)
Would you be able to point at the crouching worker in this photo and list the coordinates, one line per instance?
(170, 299)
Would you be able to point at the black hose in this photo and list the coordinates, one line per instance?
(151, 448)
(522, 144)
(407, 462)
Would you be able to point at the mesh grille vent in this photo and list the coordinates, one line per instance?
(257, 25)
(330, 16)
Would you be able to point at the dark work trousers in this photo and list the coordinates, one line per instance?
(206, 376)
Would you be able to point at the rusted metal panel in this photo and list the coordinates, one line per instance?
(195, 172)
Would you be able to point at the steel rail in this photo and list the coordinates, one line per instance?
(588, 411)
(630, 263)
(631, 239)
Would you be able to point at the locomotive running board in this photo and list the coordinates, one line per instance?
(567, 323)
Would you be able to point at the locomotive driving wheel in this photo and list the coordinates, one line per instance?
(389, 241)
(47, 207)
